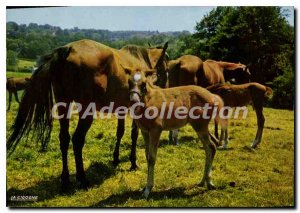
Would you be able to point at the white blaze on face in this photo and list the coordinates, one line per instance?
(137, 77)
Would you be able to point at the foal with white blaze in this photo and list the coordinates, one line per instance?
(143, 91)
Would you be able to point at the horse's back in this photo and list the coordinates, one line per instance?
(211, 74)
(14, 83)
(183, 70)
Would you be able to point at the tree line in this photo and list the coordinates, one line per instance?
(256, 36)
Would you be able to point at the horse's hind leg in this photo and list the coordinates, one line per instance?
(134, 137)
(64, 138)
(120, 133)
(9, 100)
(260, 126)
(78, 143)
(210, 151)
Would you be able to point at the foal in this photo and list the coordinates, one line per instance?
(242, 95)
(151, 97)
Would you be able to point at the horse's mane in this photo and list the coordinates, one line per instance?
(138, 52)
(64, 52)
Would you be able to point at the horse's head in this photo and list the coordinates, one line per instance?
(138, 80)
(159, 60)
(237, 73)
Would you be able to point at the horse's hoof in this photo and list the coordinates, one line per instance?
(146, 193)
(211, 186)
(222, 147)
(254, 146)
(115, 163)
(65, 188)
(134, 168)
(201, 184)
(84, 184)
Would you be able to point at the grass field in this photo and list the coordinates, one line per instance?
(17, 74)
(262, 177)
(22, 65)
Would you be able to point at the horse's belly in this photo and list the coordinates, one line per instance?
(172, 124)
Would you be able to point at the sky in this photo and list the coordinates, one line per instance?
(163, 19)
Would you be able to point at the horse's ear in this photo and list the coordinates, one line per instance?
(178, 64)
(127, 70)
(165, 46)
(150, 80)
(162, 56)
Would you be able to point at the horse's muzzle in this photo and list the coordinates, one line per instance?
(135, 96)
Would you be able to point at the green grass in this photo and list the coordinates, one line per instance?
(25, 63)
(263, 177)
(17, 74)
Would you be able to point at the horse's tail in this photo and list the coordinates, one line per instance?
(268, 93)
(35, 111)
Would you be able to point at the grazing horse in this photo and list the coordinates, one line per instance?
(149, 57)
(191, 70)
(83, 71)
(242, 95)
(13, 85)
(171, 100)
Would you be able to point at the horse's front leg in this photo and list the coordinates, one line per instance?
(134, 137)
(120, 133)
(151, 151)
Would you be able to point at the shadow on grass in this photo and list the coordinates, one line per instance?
(121, 199)
(45, 190)
(182, 140)
(225, 149)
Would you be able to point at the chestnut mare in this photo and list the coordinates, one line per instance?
(83, 71)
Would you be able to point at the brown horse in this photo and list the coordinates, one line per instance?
(242, 95)
(149, 57)
(83, 71)
(13, 85)
(191, 70)
(143, 91)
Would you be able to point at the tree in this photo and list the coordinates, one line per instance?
(11, 60)
(259, 36)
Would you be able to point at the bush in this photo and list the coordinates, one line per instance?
(284, 90)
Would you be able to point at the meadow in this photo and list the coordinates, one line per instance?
(244, 177)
